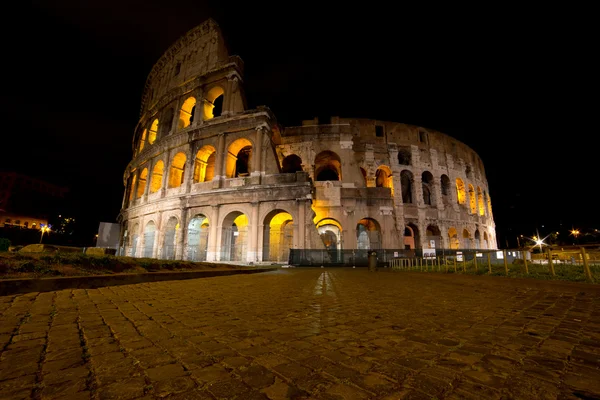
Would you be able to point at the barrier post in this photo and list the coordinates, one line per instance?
(586, 267)
(550, 263)
(489, 263)
(525, 261)
(505, 262)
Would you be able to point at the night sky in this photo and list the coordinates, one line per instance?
(513, 88)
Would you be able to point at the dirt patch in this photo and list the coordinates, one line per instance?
(40, 265)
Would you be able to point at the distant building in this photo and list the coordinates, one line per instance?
(27, 202)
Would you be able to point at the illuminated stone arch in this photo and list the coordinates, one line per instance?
(472, 200)
(489, 203)
(142, 183)
(204, 164)
(328, 166)
(461, 192)
(477, 239)
(149, 236)
(132, 188)
(364, 174)
(186, 114)
(152, 132)
(197, 238)
(142, 140)
(177, 171)
(239, 158)
(428, 189)
(170, 240)
(383, 178)
(433, 237)
(156, 181)
(330, 231)
(234, 237)
(453, 241)
(411, 236)
(486, 242)
(480, 203)
(213, 103)
(278, 235)
(135, 238)
(368, 234)
(466, 236)
(291, 164)
(406, 183)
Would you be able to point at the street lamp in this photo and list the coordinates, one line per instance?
(44, 228)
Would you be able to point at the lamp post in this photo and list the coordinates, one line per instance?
(43, 229)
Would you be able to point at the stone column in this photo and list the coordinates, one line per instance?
(219, 161)
(252, 254)
(212, 252)
(257, 159)
(302, 223)
(418, 190)
(175, 122)
(181, 235)
(198, 108)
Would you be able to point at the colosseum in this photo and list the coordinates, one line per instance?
(212, 180)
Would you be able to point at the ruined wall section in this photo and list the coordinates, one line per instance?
(199, 51)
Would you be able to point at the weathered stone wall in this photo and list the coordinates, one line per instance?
(239, 187)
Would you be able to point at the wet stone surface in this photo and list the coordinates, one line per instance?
(305, 334)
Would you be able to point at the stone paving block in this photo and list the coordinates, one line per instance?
(279, 337)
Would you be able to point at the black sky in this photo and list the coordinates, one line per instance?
(513, 84)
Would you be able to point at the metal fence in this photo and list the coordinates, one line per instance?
(579, 264)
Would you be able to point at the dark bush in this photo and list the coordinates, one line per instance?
(4, 244)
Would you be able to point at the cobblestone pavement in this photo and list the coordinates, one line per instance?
(305, 333)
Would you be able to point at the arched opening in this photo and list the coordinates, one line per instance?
(186, 115)
(239, 156)
(204, 165)
(445, 183)
(176, 174)
(368, 234)
(404, 156)
(278, 236)
(485, 240)
(291, 163)
(427, 185)
(466, 239)
(213, 103)
(489, 204)
(142, 183)
(461, 192)
(197, 243)
(480, 202)
(234, 237)
(406, 183)
(149, 233)
(328, 166)
(432, 237)
(472, 200)
(142, 141)
(411, 236)
(453, 238)
(157, 177)
(383, 178)
(477, 239)
(132, 187)
(330, 232)
(170, 239)
(135, 238)
(153, 131)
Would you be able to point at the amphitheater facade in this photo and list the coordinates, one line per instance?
(212, 180)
